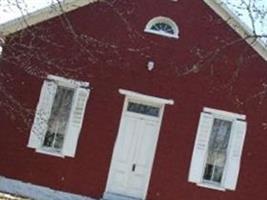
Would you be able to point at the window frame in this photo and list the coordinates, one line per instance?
(166, 20)
(221, 115)
(67, 83)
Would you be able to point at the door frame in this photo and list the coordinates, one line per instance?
(148, 100)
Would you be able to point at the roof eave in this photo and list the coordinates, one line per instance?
(41, 15)
(242, 29)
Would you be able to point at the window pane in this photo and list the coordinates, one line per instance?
(59, 141)
(58, 120)
(143, 109)
(49, 138)
(164, 27)
(217, 150)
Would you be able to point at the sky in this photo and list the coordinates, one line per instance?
(255, 18)
(12, 9)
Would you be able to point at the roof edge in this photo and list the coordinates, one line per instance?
(41, 15)
(241, 28)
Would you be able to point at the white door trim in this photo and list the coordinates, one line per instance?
(148, 100)
(139, 96)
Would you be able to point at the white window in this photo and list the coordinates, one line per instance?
(162, 26)
(59, 116)
(217, 151)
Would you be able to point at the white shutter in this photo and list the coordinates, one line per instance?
(233, 161)
(75, 121)
(200, 147)
(42, 114)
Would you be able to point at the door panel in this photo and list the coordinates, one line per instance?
(124, 147)
(146, 142)
(123, 155)
(143, 156)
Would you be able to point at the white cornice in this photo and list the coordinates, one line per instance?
(242, 29)
(41, 15)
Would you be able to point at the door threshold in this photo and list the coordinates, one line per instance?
(113, 196)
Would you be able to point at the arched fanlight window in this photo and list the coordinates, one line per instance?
(162, 26)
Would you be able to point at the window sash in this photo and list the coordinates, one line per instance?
(58, 120)
(162, 27)
(217, 151)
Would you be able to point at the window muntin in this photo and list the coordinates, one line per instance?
(217, 151)
(162, 26)
(143, 109)
(58, 120)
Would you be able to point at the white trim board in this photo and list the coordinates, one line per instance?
(41, 15)
(68, 82)
(224, 113)
(242, 29)
(36, 192)
(143, 97)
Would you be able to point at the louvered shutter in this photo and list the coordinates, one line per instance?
(75, 121)
(42, 114)
(200, 147)
(233, 162)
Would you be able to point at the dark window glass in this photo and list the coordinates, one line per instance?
(59, 117)
(143, 109)
(217, 150)
(163, 27)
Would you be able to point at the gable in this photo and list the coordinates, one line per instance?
(68, 5)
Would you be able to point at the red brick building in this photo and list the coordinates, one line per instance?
(128, 100)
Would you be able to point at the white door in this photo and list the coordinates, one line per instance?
(134, 151)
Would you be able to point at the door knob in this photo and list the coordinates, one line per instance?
(133, 167)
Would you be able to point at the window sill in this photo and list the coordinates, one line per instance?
(214, 187)
(43, 151)
(161, 33)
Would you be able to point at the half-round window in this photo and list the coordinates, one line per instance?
(162, 26)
